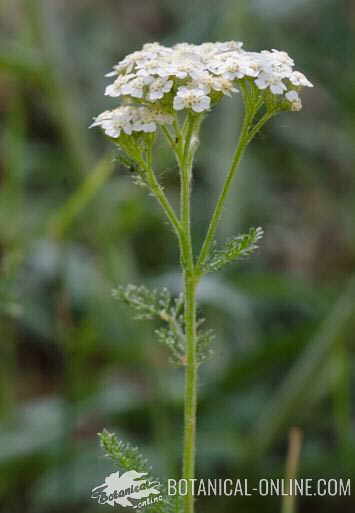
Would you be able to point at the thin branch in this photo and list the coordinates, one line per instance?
(159, 194)
(242, 143)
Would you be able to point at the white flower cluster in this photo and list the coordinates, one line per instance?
(128, 119)
(193, 77)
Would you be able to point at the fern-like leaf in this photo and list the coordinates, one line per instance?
(160, 305)
(146, 304)
(127, 457)
(233, 249)
(123, 454)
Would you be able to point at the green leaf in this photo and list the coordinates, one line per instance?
(128, 457)
(233, 249)
(176, 344)
(205, 338)
(146, 304)
(123, 454)
(158, 304)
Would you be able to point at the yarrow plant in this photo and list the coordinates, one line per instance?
(171, 91)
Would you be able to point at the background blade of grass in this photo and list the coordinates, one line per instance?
(295, 396)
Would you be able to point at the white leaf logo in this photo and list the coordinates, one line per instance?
(120, 489)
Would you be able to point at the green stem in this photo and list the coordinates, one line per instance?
(190, 400)
(184, 153)
(184, 147)
(158, 192)
(185, 197)
(258, 126)
(190, 284)
(248, 132)
(174, 144)
(192, 274)
(242, 143)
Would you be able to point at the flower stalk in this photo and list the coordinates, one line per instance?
(190, 284)
(192, 273)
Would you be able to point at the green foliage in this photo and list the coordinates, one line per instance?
(205, 339)
(123, 454)
(79, 200)
(168, 336)
(160, 305)
(233, 249)
(127, 457)
(147, 304)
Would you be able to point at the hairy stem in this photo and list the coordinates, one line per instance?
(190, 400)
(190, 284)
(159, 194)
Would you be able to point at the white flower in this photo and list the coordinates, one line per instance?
(193, 98)
(153, 67)
(158, 88)
(128, 119)
(223, 85)
(292, 96)
(115, 89)
(298, 79)
(272, 81)
(185, 66)
(136, 86)
(294, 99)
(233, 66)
(276, 61)
(209, 82)
(113, 122)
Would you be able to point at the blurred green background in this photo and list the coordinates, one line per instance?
(73, 226)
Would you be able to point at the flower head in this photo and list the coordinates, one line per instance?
(194, 78)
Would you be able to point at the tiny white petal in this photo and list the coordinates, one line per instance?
(292, 96)
(178, 103)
